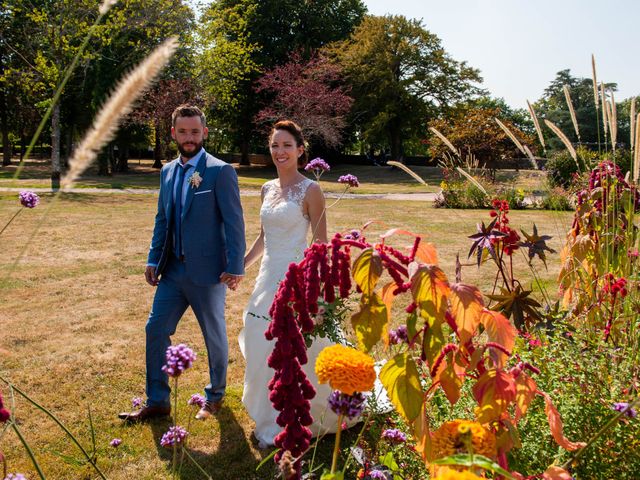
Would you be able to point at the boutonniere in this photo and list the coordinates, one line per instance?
(195, 180)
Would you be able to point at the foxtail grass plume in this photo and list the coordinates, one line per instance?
(536, 123)
(526, 152)
(572, 112)
(106, 5)
(613, 120)
(595, 82)
(445, 140)
(603, 100)
(632, 122)
(565, 140)
(119, 104)
(472, 180)
(609, 122)
(406, 169)
(531, 157)
(636, 153)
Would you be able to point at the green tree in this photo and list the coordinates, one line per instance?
(400, 77)
(553, 106)
(242, 38)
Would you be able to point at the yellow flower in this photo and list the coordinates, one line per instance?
(345, 369)
(459, 436)
(449, 474)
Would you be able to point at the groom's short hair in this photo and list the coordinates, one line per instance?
(186, 110)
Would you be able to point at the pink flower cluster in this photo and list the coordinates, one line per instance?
(174, 436)
(178, 359)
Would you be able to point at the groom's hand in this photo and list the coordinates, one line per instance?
(232, 281)
(150, 276)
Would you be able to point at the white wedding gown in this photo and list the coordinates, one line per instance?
(285, 239)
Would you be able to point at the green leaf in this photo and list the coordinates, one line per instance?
(367, 270)
(370, 322)
(327, 475)
(400, 378)
(467, 460)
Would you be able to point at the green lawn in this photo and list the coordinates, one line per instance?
(73, 314)
(373, 180)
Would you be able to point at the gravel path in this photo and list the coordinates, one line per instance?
(424, 197)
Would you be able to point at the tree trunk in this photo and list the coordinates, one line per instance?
(56, 170)
(244, 152)
(396, 144)
(122, 159)
(6, 146)
(158, 152)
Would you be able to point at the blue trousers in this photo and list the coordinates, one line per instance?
(174, 294)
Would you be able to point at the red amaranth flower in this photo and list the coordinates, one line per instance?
(4, 413)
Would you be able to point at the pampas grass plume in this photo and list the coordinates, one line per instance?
(595, 82)
(120, 103)
(403, 167)
(636, 154)
(536, 123)
(565, 140)
(604, 110)
(574, 120)
(445, 140)
(613, 121)
(632, 121)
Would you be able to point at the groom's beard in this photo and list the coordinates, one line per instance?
(193, 146)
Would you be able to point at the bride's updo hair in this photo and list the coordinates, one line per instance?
(294, 129)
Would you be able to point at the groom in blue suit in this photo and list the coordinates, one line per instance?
(197, 252)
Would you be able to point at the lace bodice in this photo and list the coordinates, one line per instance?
(284, 223)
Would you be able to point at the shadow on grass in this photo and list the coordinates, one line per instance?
(233, 458)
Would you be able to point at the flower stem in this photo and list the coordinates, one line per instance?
(336, 448)
(28, 449)
(90, 459)
(14, 216)
(175, 423)
(612, 421)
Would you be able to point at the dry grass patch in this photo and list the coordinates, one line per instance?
(73, 315)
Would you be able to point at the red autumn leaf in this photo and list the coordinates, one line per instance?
(525, 392)
(494, 392)
(387, 296)
(427, 253)
(556, 425)
(422, 435)
(397, 231)
(467, 308)
(450, 382)
(556, 473)
(500, 331)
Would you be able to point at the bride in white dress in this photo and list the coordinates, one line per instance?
(291, 204)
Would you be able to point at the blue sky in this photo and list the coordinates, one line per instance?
(520, 45)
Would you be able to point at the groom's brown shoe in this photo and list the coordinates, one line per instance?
(209, 409)
(147, 412)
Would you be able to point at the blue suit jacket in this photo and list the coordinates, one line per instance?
(212, 223)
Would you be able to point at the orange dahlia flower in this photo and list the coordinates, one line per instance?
(345, 369)
(460, 436)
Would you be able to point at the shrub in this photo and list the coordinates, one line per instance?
(557, 199)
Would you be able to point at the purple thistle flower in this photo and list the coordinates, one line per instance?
(622, 406)
(115, 442)
(394, 435)
(350, 180)
(174, 436)
(197, 399)
(378, 475)
(178, 359)
(317, 164)
(398, 335)
(28, 199)
(136, 402)
(349, 405)
(15, 476)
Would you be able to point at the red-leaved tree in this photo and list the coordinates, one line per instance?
(309, 93)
